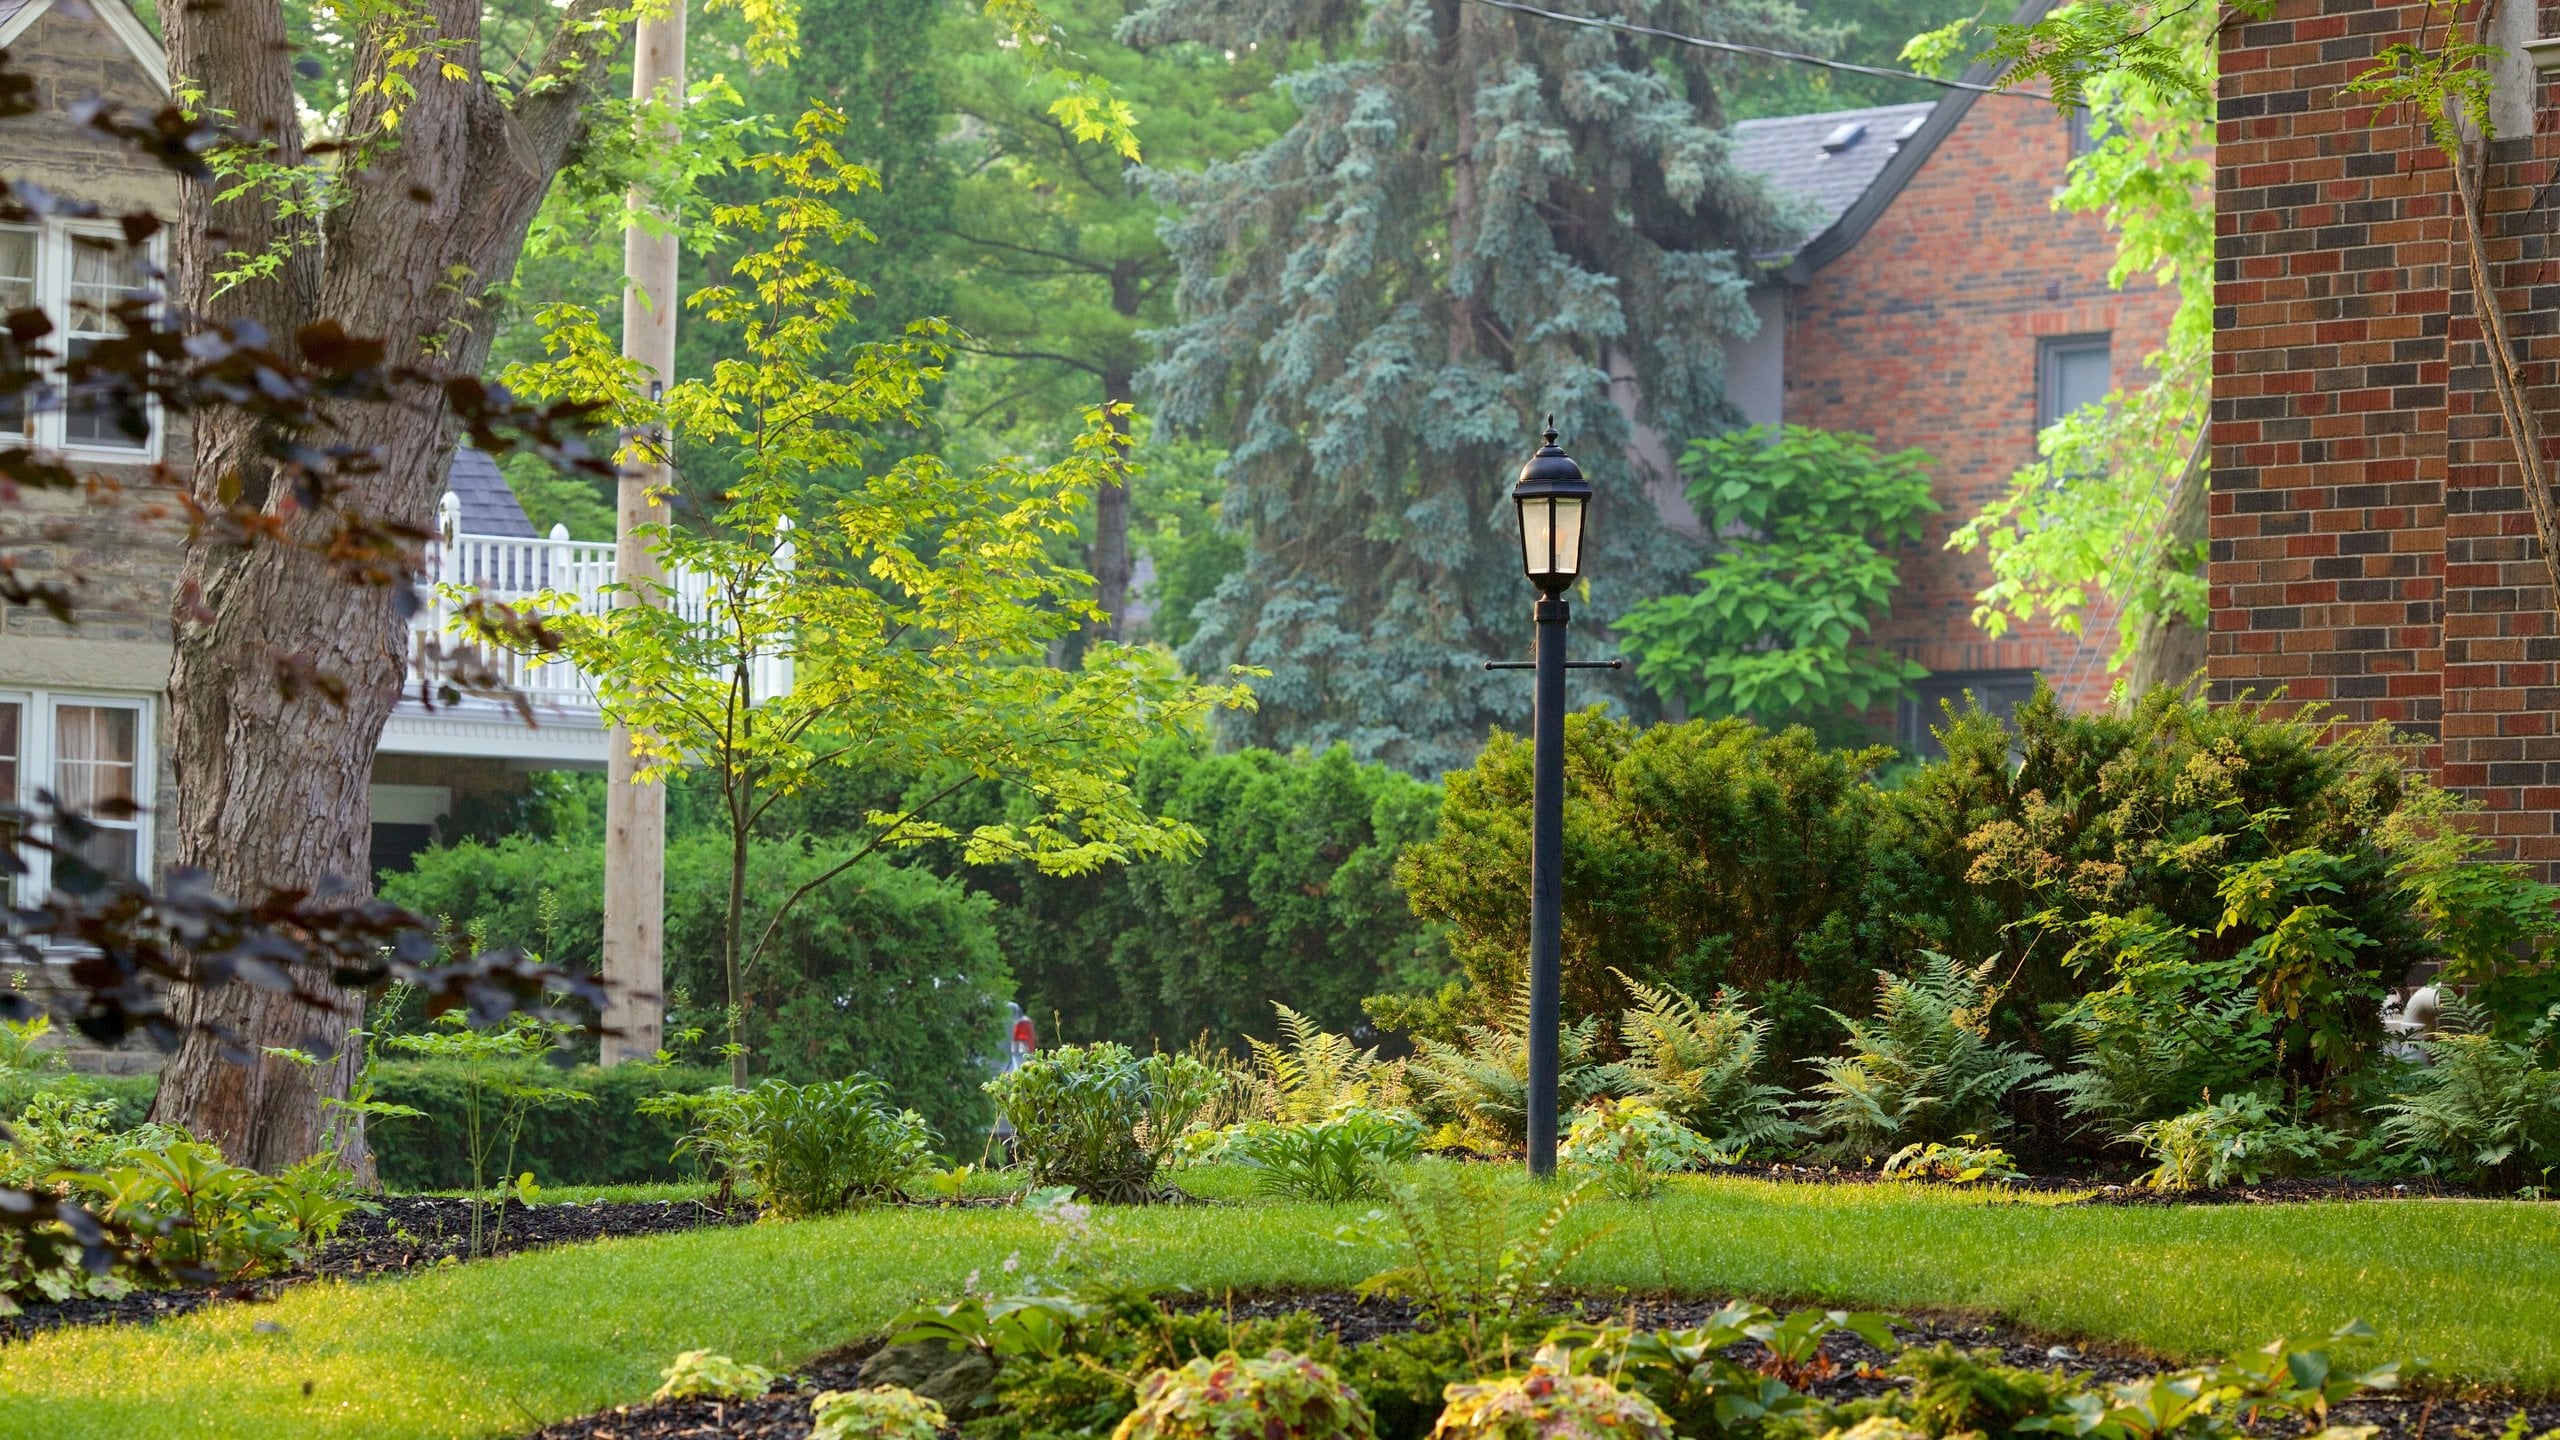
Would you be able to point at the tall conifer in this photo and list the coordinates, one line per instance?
(1479, 217)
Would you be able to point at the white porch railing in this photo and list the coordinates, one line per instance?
(512, 569)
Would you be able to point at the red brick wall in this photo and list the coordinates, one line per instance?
(1925, 334)
(2371, 548)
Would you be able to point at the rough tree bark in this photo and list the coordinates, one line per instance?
(2169, 650)
(272, 786)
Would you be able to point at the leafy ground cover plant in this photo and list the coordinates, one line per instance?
(210, 1219)
(2237, 1139)
(1961, 1162)
(1925, 1068)
(1544, 1404)
(701, 1373)
(1632, 1147)
(880, 1412)
(805, 1150)
(1099, 1119)
(1340, 1158)
(2484, 1108)
(1700, 1065)
(1279, 1396)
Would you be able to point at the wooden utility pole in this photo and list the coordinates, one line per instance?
(635, 812)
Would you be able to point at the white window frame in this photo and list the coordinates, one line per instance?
(47, 427)
(37, 760)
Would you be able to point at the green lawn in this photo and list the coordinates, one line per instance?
(498, 1347)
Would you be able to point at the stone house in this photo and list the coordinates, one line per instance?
(1940, 301)
(80, 706)
(2372, 549)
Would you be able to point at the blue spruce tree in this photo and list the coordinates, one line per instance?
(1479, 217)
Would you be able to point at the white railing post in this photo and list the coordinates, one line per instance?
(512, 569)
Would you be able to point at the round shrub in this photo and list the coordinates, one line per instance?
(1278, 1397)
(885, 1412)
(1543, 1405)
(1098, 1118)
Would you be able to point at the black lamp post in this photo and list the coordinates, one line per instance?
(1553, 499)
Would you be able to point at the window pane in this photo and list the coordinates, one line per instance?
(17, 292)
(11, 727)
(101, 278)
(2072, 373)
(94, 756)
(95, 760)
(108, 853)
(105, 418)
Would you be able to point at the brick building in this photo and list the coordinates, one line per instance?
(2371, 545)
(1940, 301)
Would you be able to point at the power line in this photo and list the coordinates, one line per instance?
(1761, 52)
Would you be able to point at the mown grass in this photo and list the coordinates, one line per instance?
(499, 1347)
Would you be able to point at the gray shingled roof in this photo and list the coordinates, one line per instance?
(488, 506)
(1827, 160)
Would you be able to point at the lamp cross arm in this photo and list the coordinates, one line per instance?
(1569, 664)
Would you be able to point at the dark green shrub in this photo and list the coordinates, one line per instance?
(1098, 1118)
(1293, 898)
(888, 969)
(2181, 898)
(607, 1142)
(1697, 855)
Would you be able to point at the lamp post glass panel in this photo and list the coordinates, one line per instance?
(1552, 498)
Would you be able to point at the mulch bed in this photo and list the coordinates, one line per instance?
(409, 1233)
(1857, 1371)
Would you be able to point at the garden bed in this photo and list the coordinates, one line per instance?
(2118, 1189)
(1857, 1370)
(408, 1233)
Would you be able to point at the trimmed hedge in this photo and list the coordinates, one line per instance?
(606, 1141)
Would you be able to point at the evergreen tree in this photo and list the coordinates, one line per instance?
(1051, 248)
(1478, 217)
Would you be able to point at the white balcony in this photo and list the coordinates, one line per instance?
(568, 732)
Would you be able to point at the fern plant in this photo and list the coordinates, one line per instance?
(1697, 1063)
(1464, 1264)
(2486, 1109)
(1925, 1068)
(2146, 1056)
(1311, 1074)
(1485, 1077)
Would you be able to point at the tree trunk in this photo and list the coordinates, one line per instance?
(272, 787)
(2169, 651)
(1112, 563)
(732, 936)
